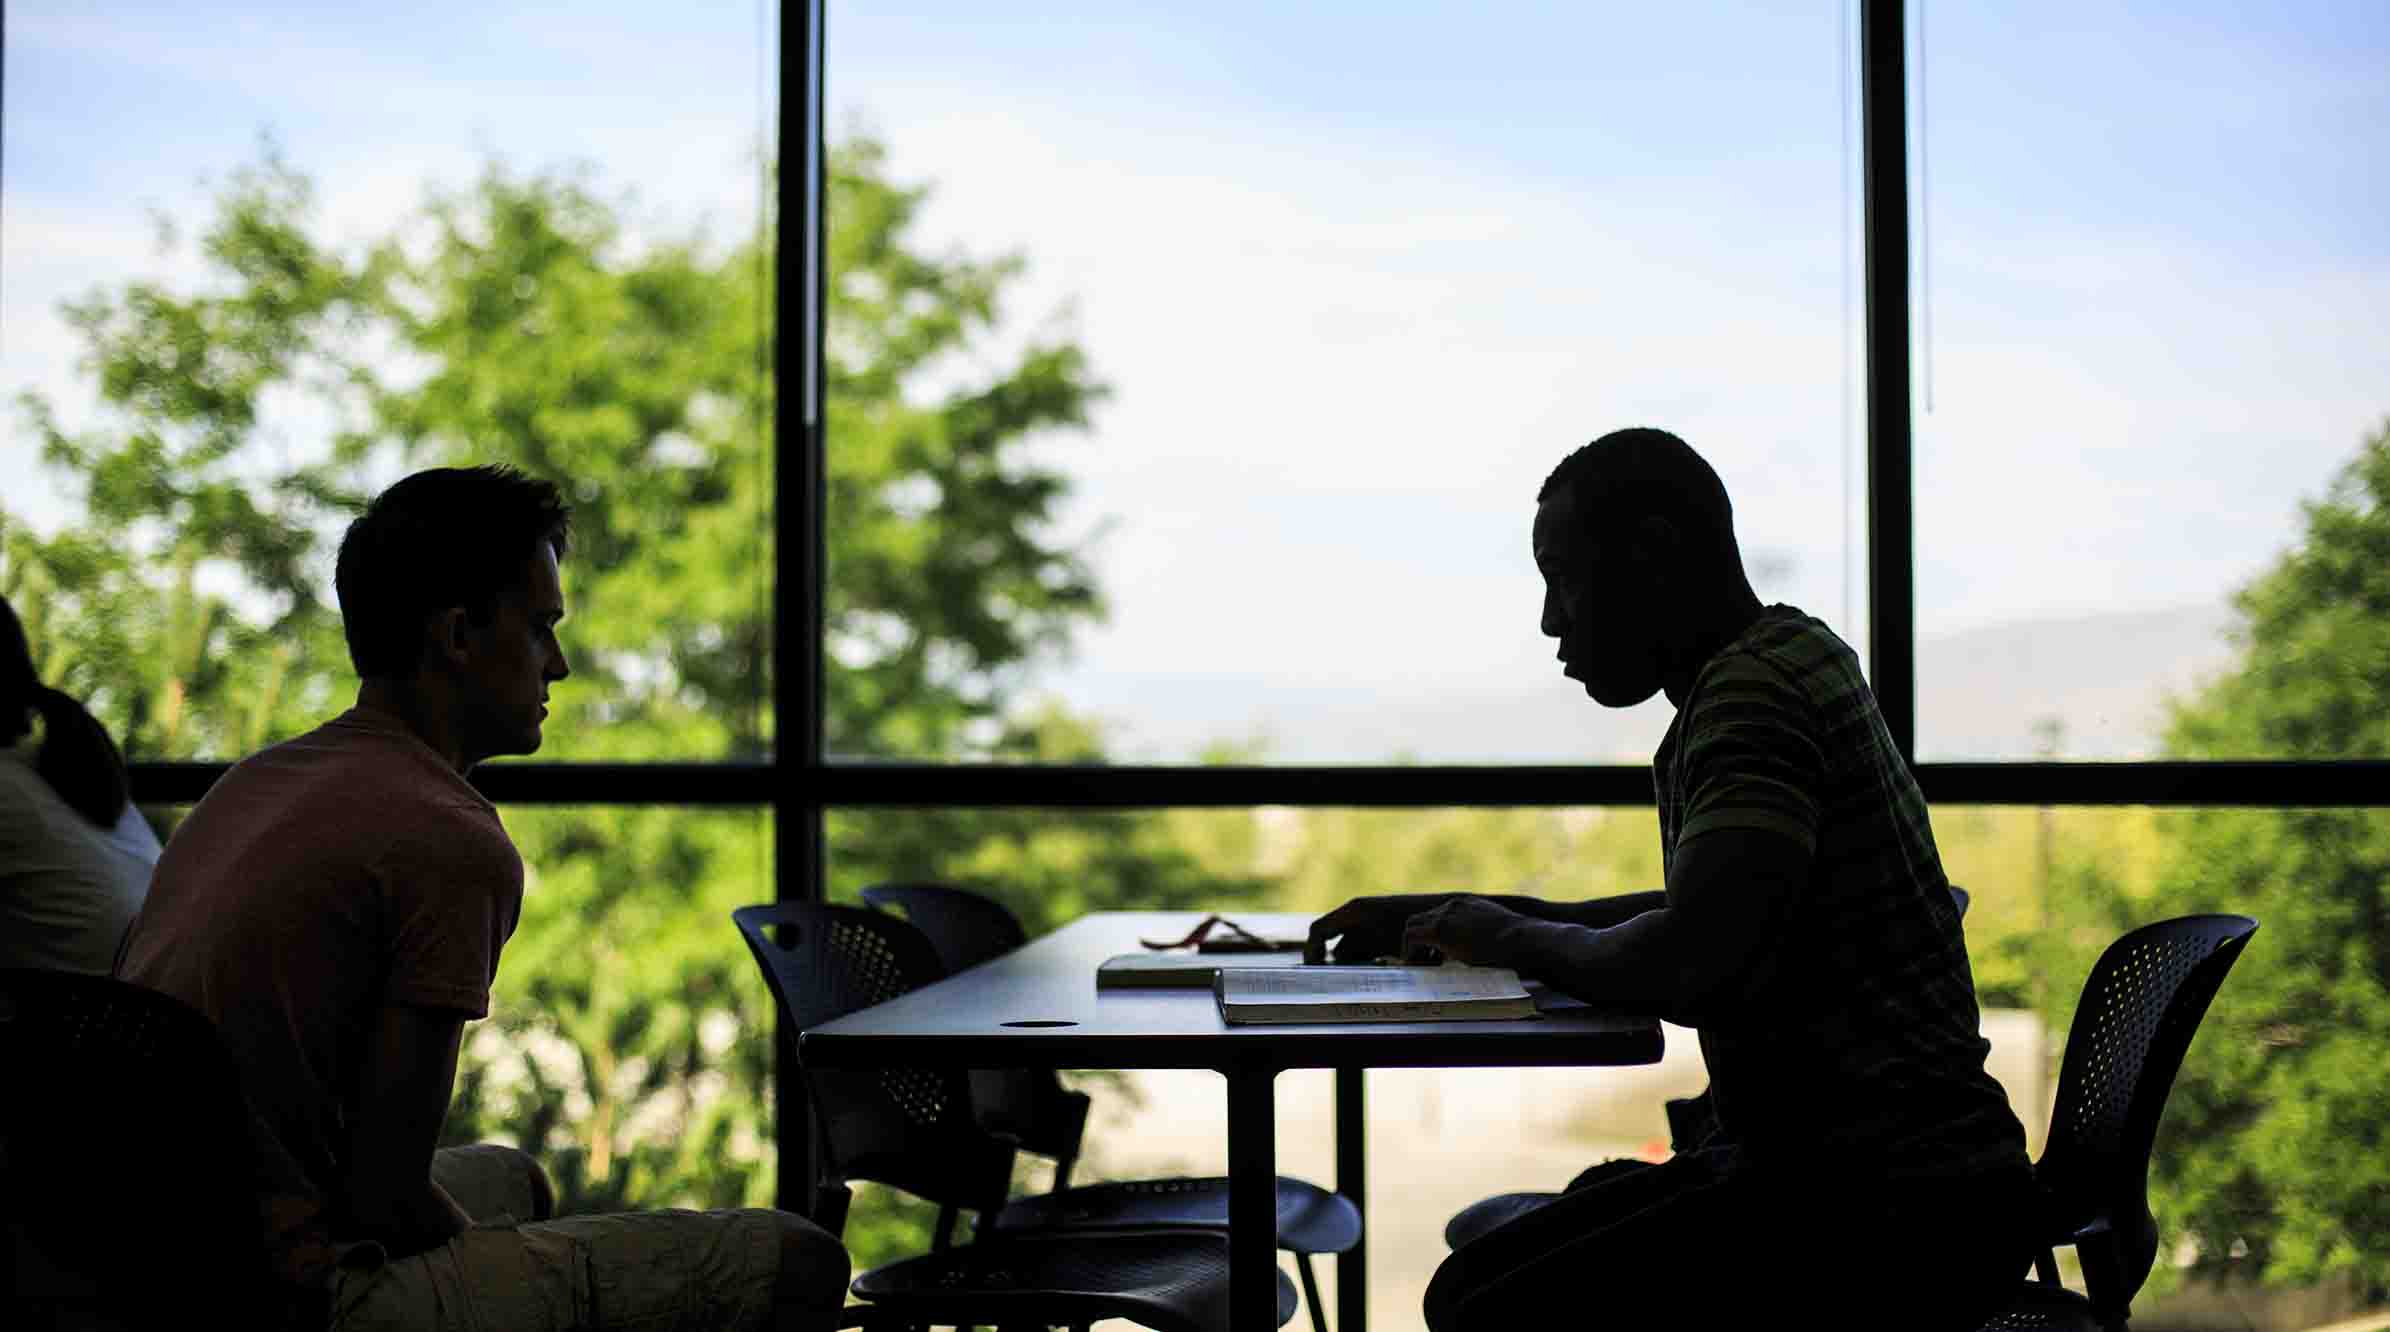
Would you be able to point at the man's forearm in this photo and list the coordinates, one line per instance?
(1601, 913)
(1639, 962)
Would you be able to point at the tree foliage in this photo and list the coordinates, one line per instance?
(2273, 1159)
(524, 319)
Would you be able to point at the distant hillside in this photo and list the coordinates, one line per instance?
(2104, 677)
(1980, 694)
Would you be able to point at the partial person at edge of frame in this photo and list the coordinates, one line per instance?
(337, 905)
(1805, 929)
(75, 855)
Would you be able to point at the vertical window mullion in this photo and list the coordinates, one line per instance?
(797, 518)
(1891, 562)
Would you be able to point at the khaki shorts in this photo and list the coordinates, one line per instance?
(637, 1271)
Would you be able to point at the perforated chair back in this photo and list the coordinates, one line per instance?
(1029, 1105)
(966, 928)
(2140, 1007)
(910, 1128)
(126, 1139)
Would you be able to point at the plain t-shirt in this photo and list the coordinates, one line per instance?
(68, 887)
(318, 881)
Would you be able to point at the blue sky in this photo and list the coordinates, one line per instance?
(1360, 273)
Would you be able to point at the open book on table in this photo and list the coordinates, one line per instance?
(1371, 994)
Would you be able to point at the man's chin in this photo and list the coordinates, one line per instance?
(1614, 696)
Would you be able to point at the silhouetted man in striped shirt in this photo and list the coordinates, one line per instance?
(1864, 1161)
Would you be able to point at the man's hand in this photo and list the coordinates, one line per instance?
(1371, 927)
(1463, 929)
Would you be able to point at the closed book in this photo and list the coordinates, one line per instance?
(1193, 971)
(1372, 994)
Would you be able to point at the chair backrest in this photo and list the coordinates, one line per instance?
(2140, 1007)
(127, 1142)
(1029, 1105)
(966, 928)
(910, 1128)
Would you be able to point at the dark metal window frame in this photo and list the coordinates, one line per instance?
(799, 784)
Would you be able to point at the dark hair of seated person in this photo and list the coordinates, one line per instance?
(77, 757)
(452, 536)
(1641, 473)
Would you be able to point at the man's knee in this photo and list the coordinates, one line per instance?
(487, 1178)
(813, 1265)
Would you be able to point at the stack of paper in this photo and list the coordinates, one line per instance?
(1176, 969)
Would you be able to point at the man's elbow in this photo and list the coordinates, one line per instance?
(1697, 1005)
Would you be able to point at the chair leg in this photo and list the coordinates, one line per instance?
(1319, 1312)
(944, 1235)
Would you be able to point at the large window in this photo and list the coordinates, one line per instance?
(1342, 287)
(259, 262)
(2149, 290)
(1121, 427)
(262, 260)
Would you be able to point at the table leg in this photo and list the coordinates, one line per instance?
(1252, 1200)
(1352, 1156)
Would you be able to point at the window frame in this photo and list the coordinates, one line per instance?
(800, 784)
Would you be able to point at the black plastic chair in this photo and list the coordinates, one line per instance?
(126, 1149)
(2140, 1007)
(1029, 1105)
(966, 929)
(914, 1129)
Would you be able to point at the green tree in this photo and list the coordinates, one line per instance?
(2274, 1156)
(523, 320)
(127, 606)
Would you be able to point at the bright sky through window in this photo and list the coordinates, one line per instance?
(1359, 274)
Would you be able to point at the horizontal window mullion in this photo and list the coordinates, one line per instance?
(1098, 787)
(2275, 784)
(530, 783)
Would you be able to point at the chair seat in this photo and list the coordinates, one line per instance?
(1310, 1219)
(1168, 1280)
(2043, 1308)
(1488, 1213)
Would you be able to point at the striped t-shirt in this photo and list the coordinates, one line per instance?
(1858, 1037)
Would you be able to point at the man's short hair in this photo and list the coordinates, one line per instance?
(452, 536)
(1641, 472)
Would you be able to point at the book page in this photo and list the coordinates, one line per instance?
(1343, 984)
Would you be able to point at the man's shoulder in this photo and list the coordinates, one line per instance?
(25, 797)
(1788, 649)
(341, 793)
(360, 755)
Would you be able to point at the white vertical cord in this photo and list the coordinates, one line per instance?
(1843, 118)
(1925, 219)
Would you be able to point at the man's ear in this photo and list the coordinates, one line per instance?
(1657, 542)
(448, 635)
